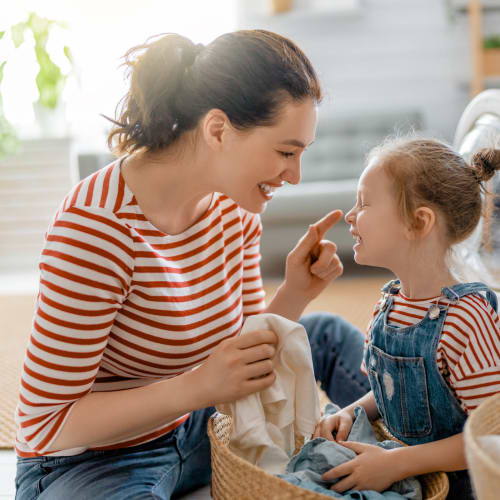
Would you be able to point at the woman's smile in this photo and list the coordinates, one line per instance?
(268, 190)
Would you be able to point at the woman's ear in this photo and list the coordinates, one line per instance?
(424, 219)
(215, 127)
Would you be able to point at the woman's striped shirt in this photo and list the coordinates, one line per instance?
(468, 353)
(123, 305)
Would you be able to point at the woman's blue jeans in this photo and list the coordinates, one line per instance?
(337, 352)
(179, 462)
(167, 467)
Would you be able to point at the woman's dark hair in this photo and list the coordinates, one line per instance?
(248, 74)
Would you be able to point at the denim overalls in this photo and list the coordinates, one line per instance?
(412, 396)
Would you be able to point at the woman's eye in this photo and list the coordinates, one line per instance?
(285, 154)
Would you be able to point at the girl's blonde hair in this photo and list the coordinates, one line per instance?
(427, 172)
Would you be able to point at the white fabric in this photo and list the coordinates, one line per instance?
(263, 423)
(490, 444)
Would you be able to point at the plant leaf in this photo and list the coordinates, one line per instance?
(17, 33)
(68, 54)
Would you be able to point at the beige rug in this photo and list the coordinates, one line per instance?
(353, 298)
(16, 314)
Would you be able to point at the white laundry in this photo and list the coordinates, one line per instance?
(263, 423)
(490, 444)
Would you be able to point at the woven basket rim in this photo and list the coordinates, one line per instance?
(471, 438)
(439, 478)
(244, 463)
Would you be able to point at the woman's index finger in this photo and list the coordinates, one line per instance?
(327, 222)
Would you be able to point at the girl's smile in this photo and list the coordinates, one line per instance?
(357, 238)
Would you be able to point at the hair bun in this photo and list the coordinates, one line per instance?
(198, 48)
(190, 52)
(168, 49)
(485, 162)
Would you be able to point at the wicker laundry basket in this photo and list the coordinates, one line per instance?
(236, 479)
(483, 468)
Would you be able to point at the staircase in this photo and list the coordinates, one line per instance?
(33, 182)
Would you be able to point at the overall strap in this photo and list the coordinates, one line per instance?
(392, 287)
(456, 292)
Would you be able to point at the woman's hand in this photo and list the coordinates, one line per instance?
(237, 367)
(372, 469)
(313, 263)
(339, 424)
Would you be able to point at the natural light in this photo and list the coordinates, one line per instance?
(98, 34)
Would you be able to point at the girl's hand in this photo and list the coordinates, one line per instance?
(237, 367)
(313, 263)
(339, 424)
(372, 469)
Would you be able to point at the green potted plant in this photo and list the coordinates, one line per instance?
(50, 79)
(491, 55)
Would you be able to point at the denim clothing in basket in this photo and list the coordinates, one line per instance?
(320, 455)
(412, 396)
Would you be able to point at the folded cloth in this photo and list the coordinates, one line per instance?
(264, 423)
(490, 444)
(320, 455)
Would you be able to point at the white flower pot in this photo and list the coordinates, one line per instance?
(51, 122)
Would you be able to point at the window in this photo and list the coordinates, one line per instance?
(100, 32)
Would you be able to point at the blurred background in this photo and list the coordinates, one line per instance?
(387, 66)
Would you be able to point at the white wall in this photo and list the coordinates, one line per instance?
(381, 55)
(377, 60)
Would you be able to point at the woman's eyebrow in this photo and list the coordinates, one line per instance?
(295, 142)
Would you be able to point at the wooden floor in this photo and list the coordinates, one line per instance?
(351, 297)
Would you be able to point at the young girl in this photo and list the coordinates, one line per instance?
(433, 346)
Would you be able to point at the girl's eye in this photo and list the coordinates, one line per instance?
(285, 154)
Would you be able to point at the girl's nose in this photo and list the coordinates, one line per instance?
(349, 216)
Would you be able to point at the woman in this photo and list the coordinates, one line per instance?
(152, 263)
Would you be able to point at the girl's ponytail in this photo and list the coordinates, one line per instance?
(485, 163)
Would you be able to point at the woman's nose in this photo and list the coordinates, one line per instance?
(292, 174)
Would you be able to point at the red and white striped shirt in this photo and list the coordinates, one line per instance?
(123, 305)
(468, 353)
